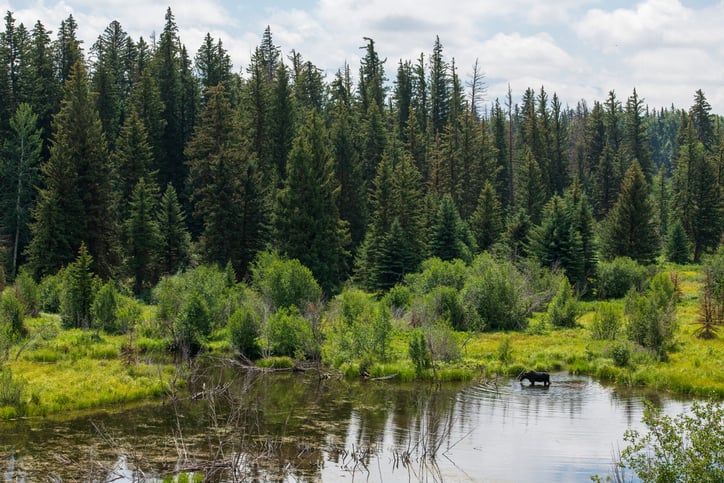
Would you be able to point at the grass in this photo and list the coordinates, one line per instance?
(66, 370)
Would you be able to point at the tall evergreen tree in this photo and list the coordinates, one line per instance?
(702, 120)
(142, 237)
(450, 236)
(19, 169)
(111, 78)
(486, 222)
(226, 188)
(439, 89)
(174, 249)
(530, 195)
(76, 203)
(283, 121)
(635, 144)
(697, 198)
(68, 51)
(133, 160)
(212, 63)
(628, 230)
(306, 218)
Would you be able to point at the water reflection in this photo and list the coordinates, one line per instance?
(290, 427)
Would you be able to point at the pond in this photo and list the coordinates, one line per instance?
(239, 425)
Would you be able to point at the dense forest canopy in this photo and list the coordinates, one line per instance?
(153, 157)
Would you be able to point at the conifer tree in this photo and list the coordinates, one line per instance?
(396, 199)
(226, 189)
(450, 236)
(68, 51)
(530, 195)
(133, 160)
(677, 244)
(282, 127)
(43, 91)
(628, 230)
(174, 248)
(76, 203)
(19, 170)
(111, 78)
(697, 199)
(556, 242)
(635, 143)
(212, 63)
(142, 236)
(306, 218)
(486, 222)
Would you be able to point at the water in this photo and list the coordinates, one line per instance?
(293, 427)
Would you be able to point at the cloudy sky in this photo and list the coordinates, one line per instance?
(581, 49)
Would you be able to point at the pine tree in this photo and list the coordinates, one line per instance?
(530, 195)
(226, 188)
(79, 290)
(556, 242)
(43, 91)
(174, 239)
(486, 222)
(697, 199)
(306, 218)
(142, 236)
(76, 203)
(19, 166)
(677, 244)
(628, 230)
(111, 77)
(383, 259)
(68, 51)
(133, 160)
(439, 89)
(212, 63)
(450, 236)
(282, 127)
(635, 142)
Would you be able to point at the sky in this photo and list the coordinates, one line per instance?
(579, 49)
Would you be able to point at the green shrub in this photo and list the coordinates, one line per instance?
(685, 447)
(12, 316)
(652, 316)
(606, 323)
(621, 354)
(443, 343)
(398, 298)
(617, 277)
(50, 289)
(494, 295)
(284, 283)
(104, 309)
(563, 309)
(244, 329)
(289, 334)
(445, 305)
(505, 351)
(26, 289)
(192, 325)
(11, 388)
(128, 314)
(419, 352)
(434, 273)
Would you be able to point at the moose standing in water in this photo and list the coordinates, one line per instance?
(534, 377)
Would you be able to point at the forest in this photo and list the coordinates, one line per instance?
(134, 170)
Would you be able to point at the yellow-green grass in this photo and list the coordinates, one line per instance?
(87, 383)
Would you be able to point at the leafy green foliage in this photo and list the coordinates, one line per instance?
(651, 316)
(104, 308)
(357, 328)
(563, 309)
(12, 316)
(244, 331)
(685, 447)
(606, 323)
(419, 352)
(617, 277)
(284, 283)
(288, 333)
(494, 291)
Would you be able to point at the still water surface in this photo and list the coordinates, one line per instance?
(292, 427)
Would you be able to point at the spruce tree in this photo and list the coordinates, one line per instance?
(486, 222)
(530, 195)
(142, 236)
(450, 236)
(677, 244)
(19, 173)
(629, 230)
(306, 218)
(76, 203)
(226, 189)
(174, 250)
(133, 160)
